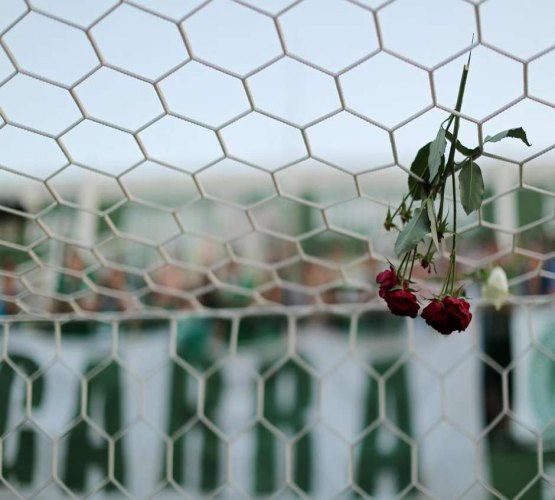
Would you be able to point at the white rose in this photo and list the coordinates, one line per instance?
(496, 287)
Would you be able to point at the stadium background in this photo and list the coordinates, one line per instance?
(191, 221)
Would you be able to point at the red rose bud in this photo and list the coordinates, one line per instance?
(402, 303)
(386, 279)
(436, 316)
(448, 315)
(459, 313)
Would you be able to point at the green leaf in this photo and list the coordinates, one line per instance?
(461, 148)
(471, 185)
(413, 232)
(517, 133)
(437, 150)
(419, 167)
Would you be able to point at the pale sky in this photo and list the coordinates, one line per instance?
(330, 34)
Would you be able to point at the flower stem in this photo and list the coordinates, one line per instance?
(450, 281)
(429, 247)
(450, 166)
(454, 247)
(440, 213)
(401, 204)
(412, 263)
(403, 265)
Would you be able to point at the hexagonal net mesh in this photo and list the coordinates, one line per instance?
(191, 221)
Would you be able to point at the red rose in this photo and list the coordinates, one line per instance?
(436, 316)
(448, 315)
(402, 303)
(459, 313)
(386, 279)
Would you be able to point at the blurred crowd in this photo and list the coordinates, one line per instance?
(74, 287)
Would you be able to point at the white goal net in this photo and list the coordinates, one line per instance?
(192, 206)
